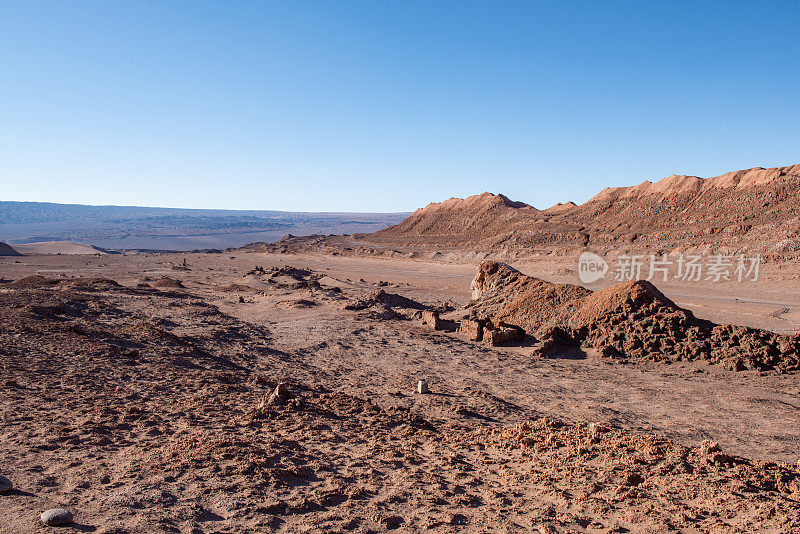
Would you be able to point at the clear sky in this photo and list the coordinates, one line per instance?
(386, 105)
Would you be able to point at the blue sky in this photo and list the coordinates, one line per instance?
(386, 105)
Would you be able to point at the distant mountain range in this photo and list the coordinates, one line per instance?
(132, 227)
(756, 209)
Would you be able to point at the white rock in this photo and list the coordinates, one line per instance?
(56, 516)
(422, 387)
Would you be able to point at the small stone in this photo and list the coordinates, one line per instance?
(277, 398)
(282, 391)
(709, 447)
(5, 484)
(632, 479)
(596, 430)
(463, 410)
(56, 516)
(280, 395)
(422, 387)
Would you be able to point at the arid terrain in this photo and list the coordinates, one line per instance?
(364, 267)
(455, 372)
(138, 393)
(748, 212)
(143, 228)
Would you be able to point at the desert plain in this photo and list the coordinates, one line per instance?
(405, 381)
(142, 405)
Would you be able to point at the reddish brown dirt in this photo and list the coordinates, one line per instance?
(140, 410)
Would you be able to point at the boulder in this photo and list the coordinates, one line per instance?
(473, 329)
(431, 318)
(500, 336)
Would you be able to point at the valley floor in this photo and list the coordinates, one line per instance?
(142, 408)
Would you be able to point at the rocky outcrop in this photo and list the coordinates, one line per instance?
(503, 294)
(629, 320)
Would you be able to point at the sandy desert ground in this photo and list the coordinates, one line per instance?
(137, 392)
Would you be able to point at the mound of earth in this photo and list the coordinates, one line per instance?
(292, 272)
(39, 281)
(629, 320)
(92, 284)
(395, 301)
(383, 305)
(235, 287)
(286, 277)
(168, 283)
(8, 250)
(34, 281)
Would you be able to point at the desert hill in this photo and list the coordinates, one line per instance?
(477, 217)
(8, 250)
(750, 205)
(486, 219)
(756, 209)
